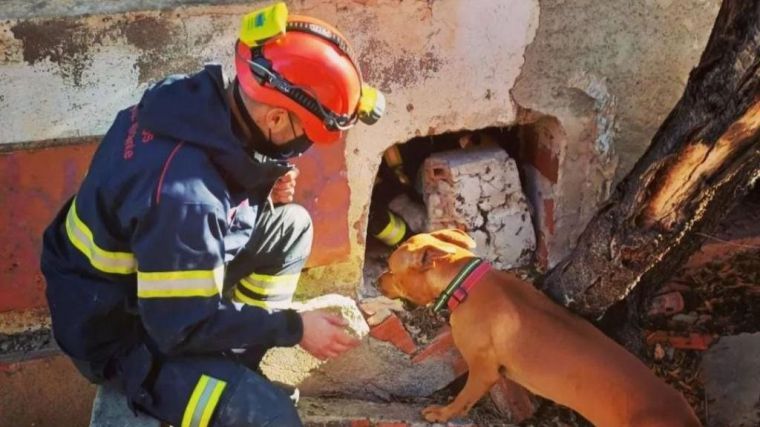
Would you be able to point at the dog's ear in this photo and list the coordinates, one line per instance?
(431, 254)
(455, 237)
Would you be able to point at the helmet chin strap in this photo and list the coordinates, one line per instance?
(263, 144)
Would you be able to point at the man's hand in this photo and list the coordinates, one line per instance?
(324, 336)
(284, 188)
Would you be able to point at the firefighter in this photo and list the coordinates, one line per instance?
(170, 272)
(399, 173)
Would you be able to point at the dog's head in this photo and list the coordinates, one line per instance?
(423, 266)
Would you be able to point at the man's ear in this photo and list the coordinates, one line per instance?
(431, 254)
(277, 120)
(455, 237)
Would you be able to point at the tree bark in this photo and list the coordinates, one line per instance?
(703, 158)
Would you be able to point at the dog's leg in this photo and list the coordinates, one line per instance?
(484, 373)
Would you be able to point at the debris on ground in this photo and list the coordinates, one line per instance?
(26, 342)
(720, 299)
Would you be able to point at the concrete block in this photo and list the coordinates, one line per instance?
(442, 349)
(479, 190)
(110, 410)
(376, 370)
(360, 413)
(732, 381)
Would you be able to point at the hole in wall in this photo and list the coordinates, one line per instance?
(405, 200)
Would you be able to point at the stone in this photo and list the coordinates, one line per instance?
(377, 370)
(342, 306)
(377, 309)
(413, 212)
(291, 365)
(478, 190)
(732, 381)
(371, 306)
(361, 413)
(321, 411)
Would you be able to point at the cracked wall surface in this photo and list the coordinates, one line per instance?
(65, 75)
(600, 76)
(607, 73)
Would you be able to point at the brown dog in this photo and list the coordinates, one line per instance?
(506, 326)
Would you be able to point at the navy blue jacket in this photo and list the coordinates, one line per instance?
(139, 253)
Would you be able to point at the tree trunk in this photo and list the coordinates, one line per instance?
(703, 158)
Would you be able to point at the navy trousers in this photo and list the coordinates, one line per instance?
(223, 390)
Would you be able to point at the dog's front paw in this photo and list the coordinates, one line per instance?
(436, 414)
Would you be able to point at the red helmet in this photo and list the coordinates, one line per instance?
(306, 69)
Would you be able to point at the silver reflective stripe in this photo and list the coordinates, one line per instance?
(172, 284)
(203, 401)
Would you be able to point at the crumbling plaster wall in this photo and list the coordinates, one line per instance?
(444, 65)
(609, 72)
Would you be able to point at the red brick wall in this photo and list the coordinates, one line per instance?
(36, 182)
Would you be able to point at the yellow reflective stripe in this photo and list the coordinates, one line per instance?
(80, 236)
(203, 401)
(267, 305)
(169, 284)
(187, 418)
(275, 279)
(394, 231)
(272, 285)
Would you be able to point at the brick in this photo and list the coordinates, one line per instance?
(548, 222)
(537, 154)
(512, 400)
(442, 347)
(391, 424)
(666, 304)
(361, 423)
(391, 330)
(693, 341)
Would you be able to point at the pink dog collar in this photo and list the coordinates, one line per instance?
(462, 284)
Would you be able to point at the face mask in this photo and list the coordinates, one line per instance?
(263, 143)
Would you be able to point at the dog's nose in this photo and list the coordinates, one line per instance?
(387, 286)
